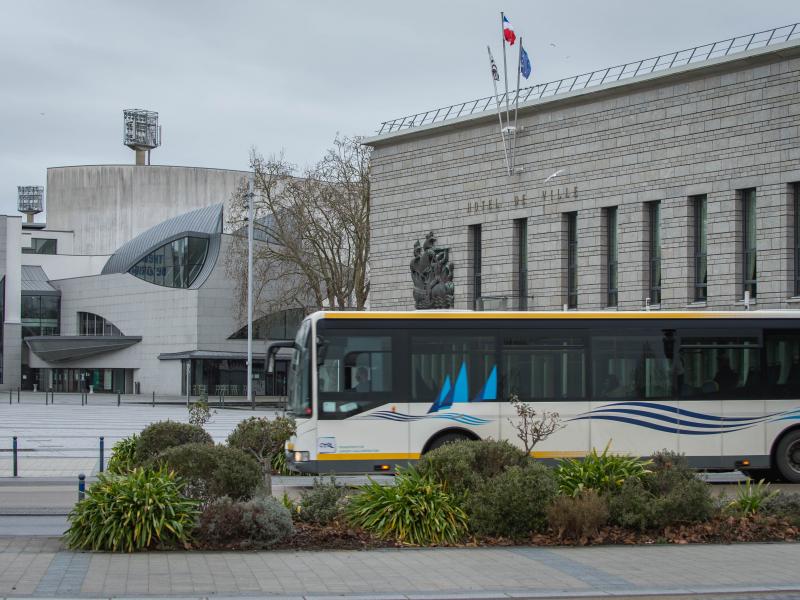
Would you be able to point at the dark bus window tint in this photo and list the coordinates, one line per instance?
(632, 366)
(719, 367)
(783, 365)
(450, 367)
(543, 366)
(354, 373)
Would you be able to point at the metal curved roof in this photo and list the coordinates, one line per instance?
(203, 222)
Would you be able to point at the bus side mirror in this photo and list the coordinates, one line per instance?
(322, 350)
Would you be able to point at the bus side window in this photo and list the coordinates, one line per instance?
(783, 364)
(719, 367)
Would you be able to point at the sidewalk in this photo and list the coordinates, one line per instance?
(40, 567)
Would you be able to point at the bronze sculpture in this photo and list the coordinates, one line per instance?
(432, 275)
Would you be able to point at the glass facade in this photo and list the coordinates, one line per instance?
(95, 379)
(612, 255)
(2, 323)
(223, 376)
(655, 252)
(572, 260)
(40, 315)
(281, 325)
(521, 233)
(750, 281)
(42, 246)
(796, 202)
(92, 324)
(475, 234)
(176, 264)
(700, 249)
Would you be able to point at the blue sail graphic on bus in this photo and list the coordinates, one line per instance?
(442, 397)
(461, 390)
(489, 391)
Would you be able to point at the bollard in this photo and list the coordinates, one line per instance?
(117, 398)
(17, 395)
(52, 396)
(14, 456)
(102, 449)
(46, 398)
(81, 486)
(154, 399)
(10, 395)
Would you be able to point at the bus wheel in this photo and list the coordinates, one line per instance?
(787, 456)
(448, 438)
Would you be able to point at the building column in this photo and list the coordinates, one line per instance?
(592, 284)
(633, 241)
(775, 252)
(677, 253)
(725, 247)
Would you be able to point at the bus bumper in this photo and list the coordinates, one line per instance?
(295, 462)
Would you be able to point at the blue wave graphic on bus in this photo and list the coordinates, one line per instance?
(450, 394)
(671, 419)
(396, 416)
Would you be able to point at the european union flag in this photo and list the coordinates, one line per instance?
(524, 63)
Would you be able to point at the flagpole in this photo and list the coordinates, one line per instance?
(516, 109)
(505, 70)
(499, 113)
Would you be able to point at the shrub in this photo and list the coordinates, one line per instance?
(263, 440)
(157, 437)
(661, 499)
(416, 510)
(213, 471)
(199, 412)
(257, 523)
(463, 466)
(750, 499)
(786, 505)
(600, 472)
(513, 503)
(323, 503)
(138, 510)
(577, 517)
(123, 455)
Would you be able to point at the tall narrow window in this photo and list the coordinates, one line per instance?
(572, 260)
(611, 254)
(655, 252)
(796, 190)
(521, 232)
(749, 255)
(700, 250)
(475, 234)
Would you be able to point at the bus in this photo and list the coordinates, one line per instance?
(372, 391)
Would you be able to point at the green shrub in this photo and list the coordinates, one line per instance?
(257, 523)
(463, 466)
(663, 498)
(600, 472)
(785, 505)
(279, 464)
(514, 503)
(123, 455)
(576, 517)
(263, 440)
(416, 510)
(213, 471)
(157, 437)
(751, 499)
(138, 510)
(199, 412)
(323, 503)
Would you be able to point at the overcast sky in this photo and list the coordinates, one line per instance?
(228, 75)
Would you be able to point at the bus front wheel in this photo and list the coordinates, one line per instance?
(448, 438)
(787, 456)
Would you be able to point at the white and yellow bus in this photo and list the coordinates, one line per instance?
(374, 390)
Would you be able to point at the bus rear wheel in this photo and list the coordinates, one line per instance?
(448, 438)
(787, 456)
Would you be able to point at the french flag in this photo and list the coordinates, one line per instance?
(508, 31)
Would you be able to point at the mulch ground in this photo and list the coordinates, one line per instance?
(722, 530)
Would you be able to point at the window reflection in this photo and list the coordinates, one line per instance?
(176, 264)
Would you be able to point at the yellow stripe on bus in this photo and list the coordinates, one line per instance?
(532, 315)
(370, 456)
(558, 454)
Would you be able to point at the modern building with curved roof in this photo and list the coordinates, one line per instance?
(140, 300)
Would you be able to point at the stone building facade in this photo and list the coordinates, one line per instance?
(690, 172)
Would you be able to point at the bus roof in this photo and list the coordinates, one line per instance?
(554, 315)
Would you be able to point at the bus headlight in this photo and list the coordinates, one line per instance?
(301, 456)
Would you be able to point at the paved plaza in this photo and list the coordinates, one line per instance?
(41, 567)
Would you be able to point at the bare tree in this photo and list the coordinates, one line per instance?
(531, 426)
(312, 230)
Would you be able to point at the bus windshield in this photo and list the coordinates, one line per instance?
(299, 401)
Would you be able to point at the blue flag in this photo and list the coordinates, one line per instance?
(524, 63)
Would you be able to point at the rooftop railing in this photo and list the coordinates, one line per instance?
(630, 70)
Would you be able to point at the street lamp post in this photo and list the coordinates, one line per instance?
(250, 194)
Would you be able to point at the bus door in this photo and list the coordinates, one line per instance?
(453, 383)
(719, 383)
(361, 405)
(633, 407)
(546, 367)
